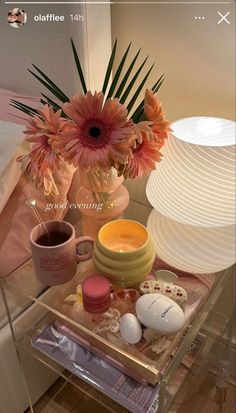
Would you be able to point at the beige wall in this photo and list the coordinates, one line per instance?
(198, 60)
(197, 57)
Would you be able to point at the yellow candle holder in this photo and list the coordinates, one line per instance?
(124, 252)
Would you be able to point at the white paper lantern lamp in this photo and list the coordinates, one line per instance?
(190, 248)
(195, 181)
(193, 193)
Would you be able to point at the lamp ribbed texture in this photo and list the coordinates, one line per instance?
(193, 195)
(192, 249)
(195, 183)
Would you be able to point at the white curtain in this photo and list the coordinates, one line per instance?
(47, 45)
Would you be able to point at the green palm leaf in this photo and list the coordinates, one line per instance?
(27, 112)
(50, 85)
(24, 108)
(51, 102)
(132, 82)
(118, 73)
(44, 102)
(126, 76)
(54, 105)
(122, 93)
(78, 65)
(137, 115)
(158, 84)
(109, 68)
(134, 98)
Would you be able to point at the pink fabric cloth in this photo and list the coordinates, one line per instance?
(17, 219)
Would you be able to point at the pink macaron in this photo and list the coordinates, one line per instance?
(96, 294)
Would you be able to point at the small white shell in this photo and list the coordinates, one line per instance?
(130, 329)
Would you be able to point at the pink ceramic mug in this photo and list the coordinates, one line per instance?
(56, 264)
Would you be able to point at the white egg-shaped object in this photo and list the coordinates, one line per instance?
(160, 313)
(130, 328)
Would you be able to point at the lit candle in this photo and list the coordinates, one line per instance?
(123, 236)
(124, 246)
(124, 252)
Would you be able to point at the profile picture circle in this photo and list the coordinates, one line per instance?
(17, 18)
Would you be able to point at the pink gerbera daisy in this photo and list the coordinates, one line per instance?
(46, 122)
(145, 154)
(99, 135)
(39, 174)
(42, 160)
(154, 113)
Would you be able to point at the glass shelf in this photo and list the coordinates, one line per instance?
(174, 384)
(46, 308)
(201, 363)
(102, 399)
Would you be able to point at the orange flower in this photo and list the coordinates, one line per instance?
(145, 154)
(43, 160)
(39, 174)
(154, 113)
(47, 122)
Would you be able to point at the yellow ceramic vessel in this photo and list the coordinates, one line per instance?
(124, 252)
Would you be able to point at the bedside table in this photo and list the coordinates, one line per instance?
(201, 332)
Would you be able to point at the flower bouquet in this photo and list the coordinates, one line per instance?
(105, 134)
